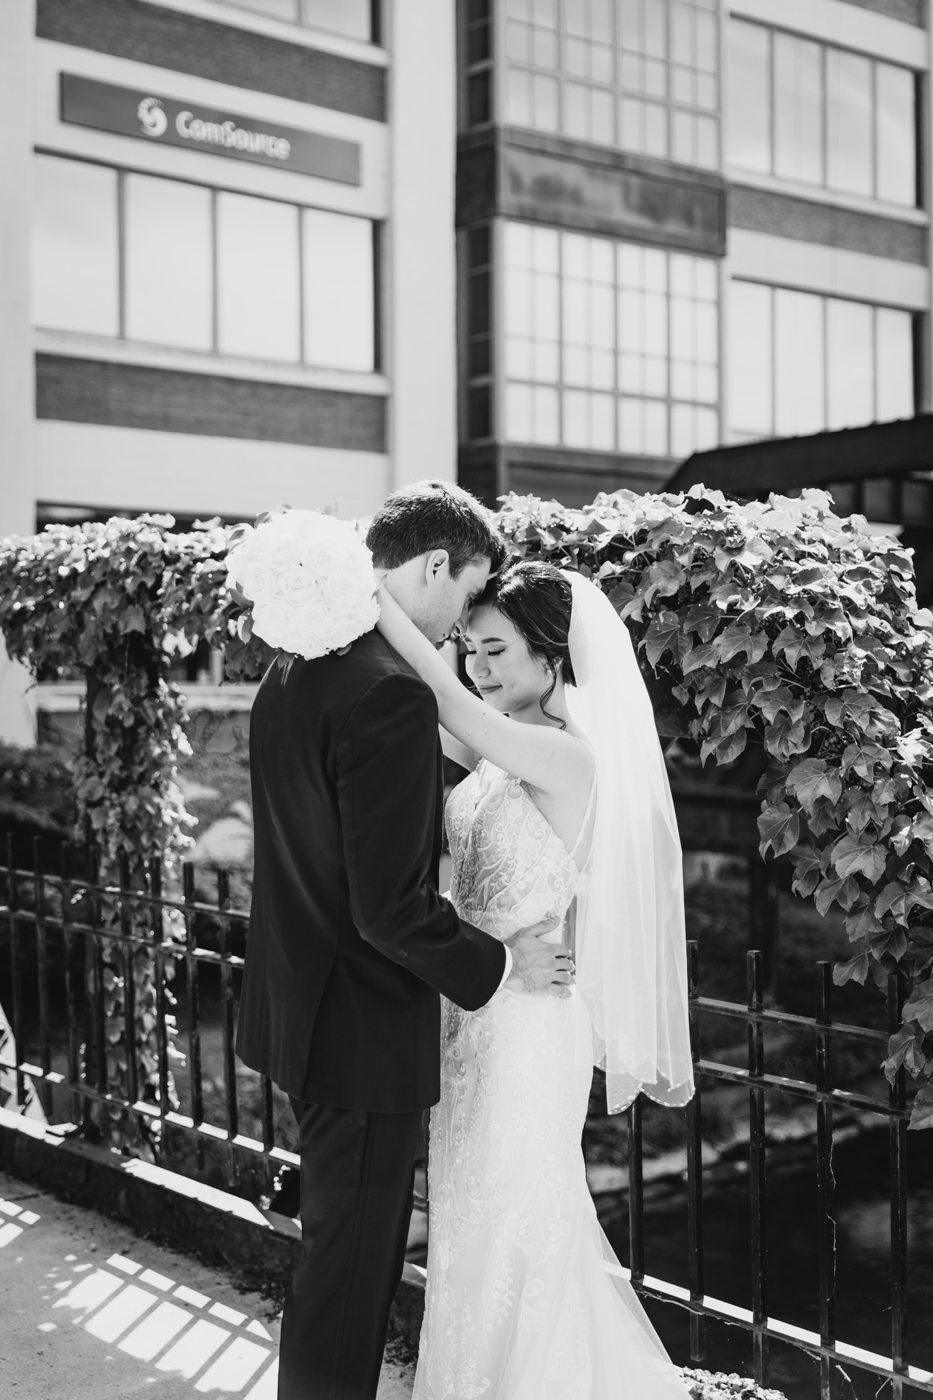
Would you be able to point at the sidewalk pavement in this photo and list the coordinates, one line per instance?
(91, 1311)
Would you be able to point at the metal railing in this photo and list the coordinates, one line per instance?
(58, 934)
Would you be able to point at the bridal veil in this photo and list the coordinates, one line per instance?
(631, 966)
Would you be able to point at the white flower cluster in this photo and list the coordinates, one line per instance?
(310, 580)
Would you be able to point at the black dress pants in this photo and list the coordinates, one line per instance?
(357, 1175)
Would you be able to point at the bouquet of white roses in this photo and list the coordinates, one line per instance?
(309, 578)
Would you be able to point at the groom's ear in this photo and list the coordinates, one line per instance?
(436, 565)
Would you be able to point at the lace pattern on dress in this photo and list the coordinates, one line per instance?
(519, 1305)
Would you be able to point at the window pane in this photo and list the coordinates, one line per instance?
(848, 82)
(257, 277)
(798, 364)
(74, 247)
(894, 361)
(339, 302)
(350, 17)
(169, 262)
(546, 423)
(518, 400)
(798, 102)
(897, 136)
(850, 364)
(750, 362)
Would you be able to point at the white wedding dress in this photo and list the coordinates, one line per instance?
(520, 1304)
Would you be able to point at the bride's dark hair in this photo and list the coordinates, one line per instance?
(536, 599)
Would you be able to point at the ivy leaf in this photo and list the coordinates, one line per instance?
(861, 923)
(778, 829)
(921, 1115)
(133, 619)
(737, 639)
(892, 900)
(726, 750)
(794, 644)
(707, 654)
(664, 579)
(786, 736)
(665, 633)
(775, 701)
(812, 779)
(855, 970)
(844, 892)
(919, 1006)
(859, 855)
(905, 1050)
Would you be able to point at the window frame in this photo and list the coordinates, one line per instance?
(619, 92)
(214, 353)
(561, 386)
(773, 31)
(737, 434)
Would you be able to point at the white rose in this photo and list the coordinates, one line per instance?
(342, 589)
(258, 582)
(272, 621)
(297, 583)
(281, 538)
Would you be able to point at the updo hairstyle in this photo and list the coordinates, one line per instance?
(537, 600)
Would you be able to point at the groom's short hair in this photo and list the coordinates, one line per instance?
(434, 515)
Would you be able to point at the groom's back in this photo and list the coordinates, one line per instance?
(326, 1015)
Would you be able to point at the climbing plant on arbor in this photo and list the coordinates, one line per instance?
(781, 624)
(771, 623)
(117, 601)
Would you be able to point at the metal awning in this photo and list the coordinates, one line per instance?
(881, 471)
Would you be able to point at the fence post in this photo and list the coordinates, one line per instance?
(897, 1137)
(757, 1167)
(763, 920)
(42, 972)
(17, 1008)
(77, 1100)
(636, 1202)
(825, 1180)
(695, 1166)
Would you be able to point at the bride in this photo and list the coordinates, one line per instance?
(566, 816)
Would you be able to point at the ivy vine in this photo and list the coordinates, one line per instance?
(773, 623)
(781, 624)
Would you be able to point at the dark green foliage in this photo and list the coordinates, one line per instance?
(782, 625)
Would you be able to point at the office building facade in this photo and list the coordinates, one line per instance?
(684, 223)
(306, 250)
(227, 259)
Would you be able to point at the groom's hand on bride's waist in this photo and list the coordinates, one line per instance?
(540, 966)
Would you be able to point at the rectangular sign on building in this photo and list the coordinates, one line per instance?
(135, 112)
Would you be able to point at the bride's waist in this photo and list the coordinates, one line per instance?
(505, 923)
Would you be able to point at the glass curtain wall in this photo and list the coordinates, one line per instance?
(610, 346)
(642, 75)
(806, 112)
(169, 263)
(801, 363)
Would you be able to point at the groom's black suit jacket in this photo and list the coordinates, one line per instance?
(349, 942)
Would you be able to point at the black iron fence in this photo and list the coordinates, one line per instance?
(201, 1112)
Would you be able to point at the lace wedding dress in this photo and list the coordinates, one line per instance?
(520, 1304)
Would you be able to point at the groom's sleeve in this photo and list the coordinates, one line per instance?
(387, 794)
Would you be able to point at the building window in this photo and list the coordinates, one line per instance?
(609, 346)
(354, 18)
(166, 262)
(817, 115)
(641, 76)
(801, 363)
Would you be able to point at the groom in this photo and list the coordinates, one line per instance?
(350, 945)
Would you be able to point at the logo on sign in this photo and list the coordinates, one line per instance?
(152, 116)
